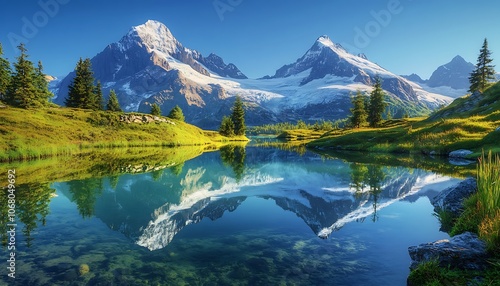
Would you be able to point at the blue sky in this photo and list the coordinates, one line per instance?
(403, 36)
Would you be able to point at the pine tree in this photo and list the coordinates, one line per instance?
(176, 113)
(22, 91)
(227, 127)
(238, 117)
(113, 104)
(377, 104)
(98, 98)
(484, 71)
(81, 90)
(155, 110)
(42, 85)
(358, 111)
(5, 72)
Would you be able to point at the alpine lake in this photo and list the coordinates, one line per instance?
(241, 215)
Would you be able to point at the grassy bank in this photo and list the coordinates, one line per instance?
(468, 123)
(482, 216)
(34, 134)
(416, 135)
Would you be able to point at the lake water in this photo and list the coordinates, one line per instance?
(254, 216)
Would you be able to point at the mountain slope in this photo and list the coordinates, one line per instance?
(149, 65)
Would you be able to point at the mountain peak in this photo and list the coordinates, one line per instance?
(458, 59)
(325, 41)
(156, 36)
(454, 74)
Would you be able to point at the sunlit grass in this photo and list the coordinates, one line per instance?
(36, 134)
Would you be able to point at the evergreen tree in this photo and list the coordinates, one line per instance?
(81, 90)
(113, 104)
(155, 110)
(358, 111)
(484, 71)
(98, 98)
(377, 104)
(238, 117)
(22, 91)
(42, 85)
(176, 113)
(226, 127)
(5, 72)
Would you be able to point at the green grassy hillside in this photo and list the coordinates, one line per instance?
(31, 134)
(468, 123)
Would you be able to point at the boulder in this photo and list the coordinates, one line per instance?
(451, 199)
(498, 129)
(462, 153)
(465, 251)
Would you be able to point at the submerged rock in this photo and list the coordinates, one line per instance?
(451, 199)
(464, 251)
(462, 153)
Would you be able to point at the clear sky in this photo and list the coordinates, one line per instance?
(403, 36)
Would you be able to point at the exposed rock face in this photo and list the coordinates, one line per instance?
(454, 74)
(414, 77)
(217, 65)
(464, 251)
(451, 199)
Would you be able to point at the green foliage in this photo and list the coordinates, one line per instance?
(446, 219)
(82, 92)
(431, 274)
(484, 71)
(98, 99)
(155, 109)
(22, 91)
(482, 210)
(5, 73)
(176, 113)
(358, 111)
(279, 128)
(113, 104)
(488, 197)
(377, 104)
(42, 85)
(238, 117)
(226, 127)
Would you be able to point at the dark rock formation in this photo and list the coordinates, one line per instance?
(451, 199)
(464, 251)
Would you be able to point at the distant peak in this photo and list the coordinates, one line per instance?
(458, 59)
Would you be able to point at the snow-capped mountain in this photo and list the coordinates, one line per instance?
(149, 65)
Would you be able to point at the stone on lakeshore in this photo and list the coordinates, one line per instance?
(452, 198)
(462, 153)
(464, 251)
